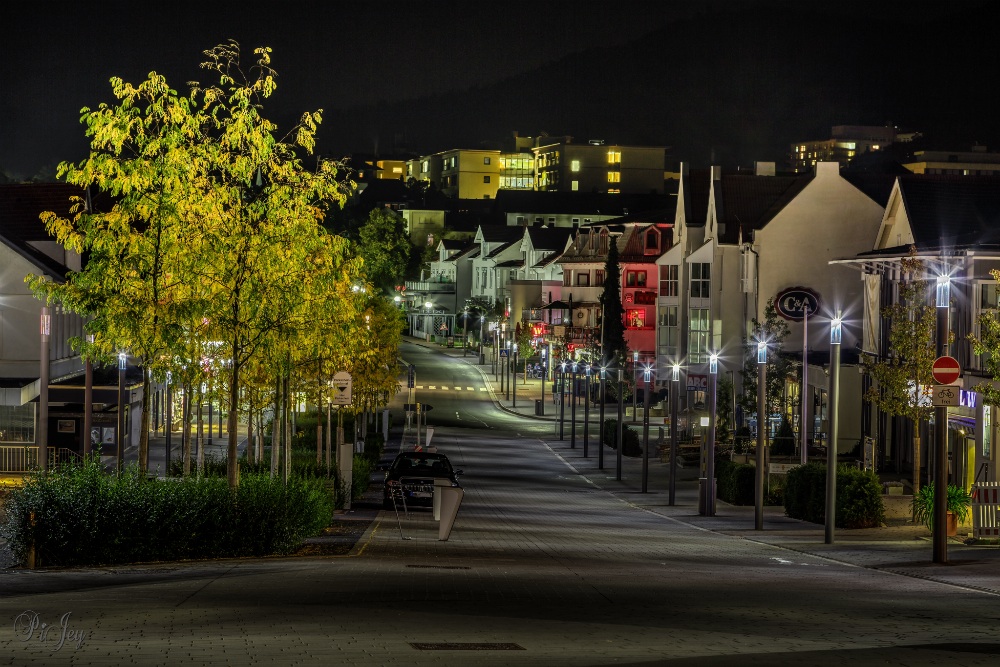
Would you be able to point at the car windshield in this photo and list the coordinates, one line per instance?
(422, 465)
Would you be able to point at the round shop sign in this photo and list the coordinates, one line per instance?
(792, 303)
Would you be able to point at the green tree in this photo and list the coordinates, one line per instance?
(385, 247)
(774, 330)
(902, 376)
(142, 153)
(613, 347)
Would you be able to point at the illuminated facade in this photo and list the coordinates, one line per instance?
(847, 142)
(596, 167)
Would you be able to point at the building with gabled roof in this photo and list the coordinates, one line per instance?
(952, 224)
(765, 236)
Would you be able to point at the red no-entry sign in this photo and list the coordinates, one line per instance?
(946, 370)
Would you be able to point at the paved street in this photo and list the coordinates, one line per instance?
(551, 562)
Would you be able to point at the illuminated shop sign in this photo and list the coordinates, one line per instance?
(792, 303)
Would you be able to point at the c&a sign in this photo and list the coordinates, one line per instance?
(791, 303)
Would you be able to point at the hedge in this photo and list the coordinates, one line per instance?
(83, 516)
(859, 496)
(609, 436)
(735, 482)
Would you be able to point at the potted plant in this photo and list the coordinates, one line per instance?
(959, 501)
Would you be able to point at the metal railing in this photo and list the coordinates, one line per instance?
(24, 458)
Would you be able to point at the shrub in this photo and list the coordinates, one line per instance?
(735, 482)
(784, 439)
(630, 439)
(859, 496)
(83, 516)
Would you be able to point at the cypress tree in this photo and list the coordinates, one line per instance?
(613, 347)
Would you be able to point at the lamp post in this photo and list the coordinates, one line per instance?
(675, 384)
(88, 403)
(482, 358)
(586, 410)
(713, 372)
(545, 370)
(506, 366)
(645, 429)
(600, 426)
(120, 455)
(831, 450)
(427, 320)
(168, 415)
(465, 333)
(758, 491)
(514, 377)
(635, 393)
(572, 395)
(562, 399)
(803, 443)
(618, 435)
(940, 544)
(45, 323)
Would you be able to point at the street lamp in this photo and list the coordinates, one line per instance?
(618, 435)
(542, 383)
(600, 424)
(940, 544)
(831, 450)
(562, 399)
(761, 425)
(482, 358)
(427, 320)
(572, 394)
(635, 393)
(586, 410)
(465, 332)
(120, 455)
(646, 376)
(514, 376)
(675, 383)
(709, 488)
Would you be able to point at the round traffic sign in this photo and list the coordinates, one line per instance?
(946, 370)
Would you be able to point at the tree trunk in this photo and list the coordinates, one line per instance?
(200, 437)
(287, 426)
(144, 423)
(232, 460)
(319, 433)
(276, 428)
(186, 431)
(250, 448)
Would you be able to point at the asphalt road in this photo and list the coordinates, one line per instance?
(545, 566)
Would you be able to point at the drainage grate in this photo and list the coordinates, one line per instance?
(442, 567)
(467, 646)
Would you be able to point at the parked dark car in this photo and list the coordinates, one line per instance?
(415, 472)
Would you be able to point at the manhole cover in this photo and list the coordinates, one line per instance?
(442, 567)
(466, 646)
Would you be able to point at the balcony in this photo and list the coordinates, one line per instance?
(438, 287)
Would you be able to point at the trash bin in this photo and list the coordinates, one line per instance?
(539, 407)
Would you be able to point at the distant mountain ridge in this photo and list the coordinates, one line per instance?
(725, 89)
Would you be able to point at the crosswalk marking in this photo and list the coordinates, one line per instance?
(446, 388)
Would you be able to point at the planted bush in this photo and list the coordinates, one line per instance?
(859, 496)
(79, 515)
(735, 482)
(630, 439)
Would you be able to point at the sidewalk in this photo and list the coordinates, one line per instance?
(902, 549)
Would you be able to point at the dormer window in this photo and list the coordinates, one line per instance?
(652, 242)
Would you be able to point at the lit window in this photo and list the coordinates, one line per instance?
(583, 279)
(701, 281)
(574, 185)
(635, 279)
(614, 157)
(635, 318)
(397, 170)
(486, 160)
(875, 147)
(614, 191)
(668, 280)
(698, 333)
(574, 165)
(669, 333)
(614, 177)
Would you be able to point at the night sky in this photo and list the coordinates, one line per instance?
(387, 73)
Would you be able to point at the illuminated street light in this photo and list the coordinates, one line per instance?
(831, 449)
(761, 426)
